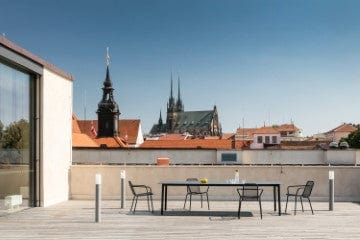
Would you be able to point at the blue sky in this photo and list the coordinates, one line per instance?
(262, 61)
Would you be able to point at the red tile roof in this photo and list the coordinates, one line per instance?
(266, 130)
(110, 142)
(75, 125)
(193, 144)
(228, 135)
(344, 128)
(128, 128)
(82, 140)
(246, 131)
(212, 137)
(287, 128)
(173, 136)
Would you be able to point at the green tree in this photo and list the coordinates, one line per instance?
(1, 130)
(354, 139)
(16, 135)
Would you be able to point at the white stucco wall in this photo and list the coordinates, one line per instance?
(56, 146)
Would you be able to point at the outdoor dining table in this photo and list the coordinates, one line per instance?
(175, 183)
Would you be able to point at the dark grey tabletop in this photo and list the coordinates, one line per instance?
(230, 182)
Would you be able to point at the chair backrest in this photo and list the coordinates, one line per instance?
(193, 189)
(250, 191)
(308, 189)
(132, 188)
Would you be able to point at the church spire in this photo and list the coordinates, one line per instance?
(108, 110)
(160, 122)
(179, 104)
(171, 88)
(171, 103)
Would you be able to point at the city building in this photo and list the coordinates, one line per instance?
(196, 123)
(35, 128)
(108, 131)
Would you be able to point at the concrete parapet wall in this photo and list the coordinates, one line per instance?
(82, 180)
(208, 156)
(143, 156)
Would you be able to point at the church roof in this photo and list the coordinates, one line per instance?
(193, 119)
(158, 129)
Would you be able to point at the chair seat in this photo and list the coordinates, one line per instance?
(144, 194)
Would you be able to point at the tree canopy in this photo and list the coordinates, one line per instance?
(354, 139)
(15, 135)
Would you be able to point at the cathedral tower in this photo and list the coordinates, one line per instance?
(108, 110)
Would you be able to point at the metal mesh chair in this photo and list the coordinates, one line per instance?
(141, 191)
(249, 192)
(196, 190)
(301, 191)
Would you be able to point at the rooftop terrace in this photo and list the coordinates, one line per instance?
(75, 220)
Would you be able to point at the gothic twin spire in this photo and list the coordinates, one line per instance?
(172, 106)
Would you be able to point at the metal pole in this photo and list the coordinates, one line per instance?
(331, 190)
(97, 197)
(122, 176)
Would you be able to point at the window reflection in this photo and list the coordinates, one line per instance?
(14, 136)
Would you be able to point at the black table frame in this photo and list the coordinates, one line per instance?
(274, 184)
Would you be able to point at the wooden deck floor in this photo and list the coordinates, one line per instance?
(75, 220)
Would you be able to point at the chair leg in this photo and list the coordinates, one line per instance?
(260, 208)
(287, 199)
(185, 200)
(132, 203)
(201, 199)
(148, 202)
(135, 203)
(239, 209)
(310, 206)
(190, 202)
(152, 204)
(295, 205)
(302, 206)
(207, 198)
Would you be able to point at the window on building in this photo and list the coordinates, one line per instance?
(274, 139)
(259, 139)
(16, 134)
(267, 139)
(228, 157)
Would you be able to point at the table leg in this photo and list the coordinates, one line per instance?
(279, 200)
(166, 194)
(274, 197)
(162, 199)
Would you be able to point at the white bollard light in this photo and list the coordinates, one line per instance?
(97, 197)
(331, 190)
(122, 190)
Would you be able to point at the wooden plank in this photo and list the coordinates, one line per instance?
(76, 220)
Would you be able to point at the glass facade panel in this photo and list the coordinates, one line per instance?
(16, 163)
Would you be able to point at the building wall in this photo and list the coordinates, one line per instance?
(56, 123)
(82, 181)
(203, 156)
(284, 157)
